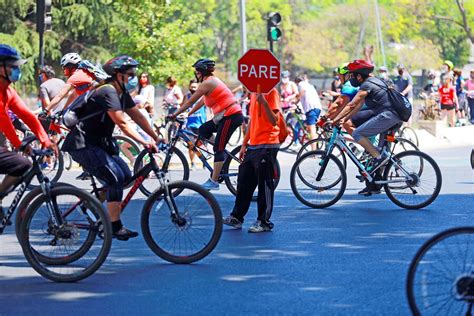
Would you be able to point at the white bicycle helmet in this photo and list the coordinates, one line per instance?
(70, 58)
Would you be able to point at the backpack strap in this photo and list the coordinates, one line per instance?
(87, 99)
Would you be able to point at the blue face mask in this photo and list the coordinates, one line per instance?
(132, 83)
(15, 74)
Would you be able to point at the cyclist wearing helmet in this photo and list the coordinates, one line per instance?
(91, 143)
(78, 81)
(225, 107)
(13, 164)
(374, 93)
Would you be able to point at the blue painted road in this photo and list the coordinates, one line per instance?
(351, 258)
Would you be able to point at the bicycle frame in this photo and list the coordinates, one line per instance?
(185, 136)
(22, 185)
(338, 139)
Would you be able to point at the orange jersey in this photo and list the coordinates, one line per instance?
(262, 132)
(81, 81)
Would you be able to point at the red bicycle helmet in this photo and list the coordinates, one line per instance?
(361, 66)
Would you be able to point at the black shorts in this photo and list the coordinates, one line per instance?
(12, 163)
(447, 107)
(362, 116)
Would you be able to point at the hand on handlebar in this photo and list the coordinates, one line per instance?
(151, 147)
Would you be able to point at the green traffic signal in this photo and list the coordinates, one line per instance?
(275, 33)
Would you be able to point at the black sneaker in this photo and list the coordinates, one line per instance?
(370, 189)
(376, 163)
(232, 221)
(2, 215)
(84, 176)
(124, 234)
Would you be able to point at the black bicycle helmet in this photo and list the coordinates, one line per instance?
(205, 65)
(119, 64)
(10, 56)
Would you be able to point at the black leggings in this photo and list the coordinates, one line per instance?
(12, 163)
(225, 128)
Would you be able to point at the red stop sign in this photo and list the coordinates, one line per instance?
(259, 70)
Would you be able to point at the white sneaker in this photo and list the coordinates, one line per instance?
(210, 185)
(258, 227)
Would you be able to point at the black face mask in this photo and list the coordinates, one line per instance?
(354, 82)
(400, 72)
(192, 91)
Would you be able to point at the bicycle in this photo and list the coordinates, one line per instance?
(400, 144)
(64, 232)
(318, 179)
(193, 210)
(229, 171)
(440, 279)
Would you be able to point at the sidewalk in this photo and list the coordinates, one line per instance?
(448, 137)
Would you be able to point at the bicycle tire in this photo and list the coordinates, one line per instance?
(390, 174)
(234, 139)
(289, 139)
(405, 144)
(410, 134)
(321, 141)
(134, 148)
(48, 269)
(296, 188)
(206, 197)
(26, 201)
(423, 256)
(148, 186)
(231, 182)
(472, 159)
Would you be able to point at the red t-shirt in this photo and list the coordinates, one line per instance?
(446, 95)
(10, 100)
(81, 81)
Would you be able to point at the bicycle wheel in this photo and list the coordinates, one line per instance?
(289, 139)
(231, 171)
(189, 239)
(52, 167)
(235, 137)
(402, 145)
(410, 134)
(74, 250)
(440, 279)
(177, 169)
(321, 143)
(26, 201)
(417, 180)
(129, 149)
(318, 193)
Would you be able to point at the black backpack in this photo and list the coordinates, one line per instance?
(399, 102)
(75, 113)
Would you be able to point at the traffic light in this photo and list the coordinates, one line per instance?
(43, 15)
(273, 32)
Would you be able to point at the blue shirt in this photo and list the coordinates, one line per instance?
(349, 91)
(198, 118)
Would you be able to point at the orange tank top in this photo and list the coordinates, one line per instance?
(221, 99)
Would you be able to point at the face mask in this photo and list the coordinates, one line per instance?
(192, 91)
(430, 81)
(131, 84)
(40, 79)
(383, 75)
(285, 80)
(354, 82)
(143, 81)
(15, 74)
(444, 69)
(400, 72)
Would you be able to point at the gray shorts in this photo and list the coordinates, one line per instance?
(376, 125)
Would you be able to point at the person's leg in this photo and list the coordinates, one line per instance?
(266, 188)
(14, 166)
(225, 129)
(311, 119)
(471, 109)
(125, 148)
(246, 185)
(444, 114)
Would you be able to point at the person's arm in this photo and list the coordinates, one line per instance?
(118, 117)
(24, 114)
(409, 87)
(138, 118)
(55, 101)
(271, 115)
(245, 142)
(337, 106)
(300, 95)
(352, 107)
(179, 96)
(202, 90)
